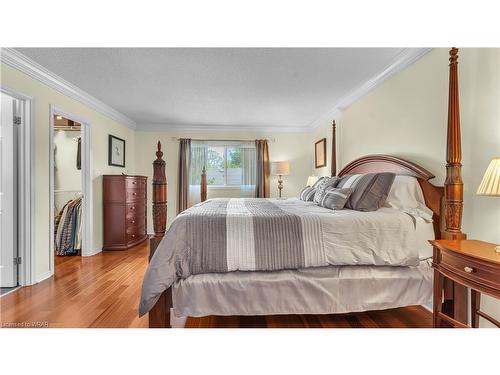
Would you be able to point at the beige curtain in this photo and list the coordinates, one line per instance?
(263, 169)
(199, 151)
(183, 170)
(248, 170)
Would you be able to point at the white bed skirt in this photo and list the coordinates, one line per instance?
(324, 290)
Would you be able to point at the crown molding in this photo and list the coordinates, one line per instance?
(31, 68)
(403, 60)
(221, 128)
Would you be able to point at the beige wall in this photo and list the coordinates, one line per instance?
(101, 126)
(294, 147)
(407, 116)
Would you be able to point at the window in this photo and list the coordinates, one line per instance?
(224, 166)
(227, 163)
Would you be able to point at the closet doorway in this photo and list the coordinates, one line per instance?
(70, 187)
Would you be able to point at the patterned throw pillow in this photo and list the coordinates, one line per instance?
(369, 190)
(325, 183)
(335, 199)
(307, 194)
(318, 181)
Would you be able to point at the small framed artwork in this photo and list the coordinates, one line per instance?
(116, 151)
(320, 153)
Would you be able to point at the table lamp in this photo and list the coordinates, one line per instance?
(280, 169)
(490, 184)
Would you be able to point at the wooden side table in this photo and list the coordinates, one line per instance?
(473, 264)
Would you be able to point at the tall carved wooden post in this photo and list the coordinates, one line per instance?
(333, 170)
(203, 187)
(455, 297)
(453, 185)
(159, 315)
(159, 198)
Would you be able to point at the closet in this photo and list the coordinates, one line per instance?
(67, 187)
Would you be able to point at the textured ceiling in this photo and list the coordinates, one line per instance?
(235, 87)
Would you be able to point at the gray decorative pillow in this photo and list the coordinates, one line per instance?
(369, 190)
(335, 199)
(325, 183)
(307, 194)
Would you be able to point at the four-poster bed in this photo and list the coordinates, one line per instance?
(318, 285)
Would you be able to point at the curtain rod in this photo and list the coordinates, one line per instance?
(224, 140)
(67, 129)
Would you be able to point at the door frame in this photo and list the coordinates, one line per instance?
(86, 181)
(26, 188)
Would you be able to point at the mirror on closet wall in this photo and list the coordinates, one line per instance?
(67, 187)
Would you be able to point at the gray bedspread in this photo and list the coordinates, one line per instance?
(223, 235)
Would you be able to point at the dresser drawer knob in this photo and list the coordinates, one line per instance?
(468, 269)
(132, 208)
(134, 193)
(133, 235)
(132, 222)
(134, 182)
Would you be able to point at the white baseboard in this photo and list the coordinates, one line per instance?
(428, 307)
(43, 276)
(94, 252)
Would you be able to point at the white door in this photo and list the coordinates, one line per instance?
(8, 193)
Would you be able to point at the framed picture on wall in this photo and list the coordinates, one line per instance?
(116, 151)
(320, 153)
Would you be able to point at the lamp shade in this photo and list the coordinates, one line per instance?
(280, 168)
(311, 180)
(490, 184)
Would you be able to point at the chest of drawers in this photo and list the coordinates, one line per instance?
(124, 221)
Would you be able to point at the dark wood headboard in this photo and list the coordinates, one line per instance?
(385, 163)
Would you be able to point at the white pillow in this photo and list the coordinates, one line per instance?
(406, 195)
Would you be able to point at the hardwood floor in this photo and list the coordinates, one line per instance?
(103, 291)
(407, 317)
(98, 291)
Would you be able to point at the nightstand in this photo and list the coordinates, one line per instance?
(473, 264)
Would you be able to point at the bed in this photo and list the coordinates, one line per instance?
(342, 277)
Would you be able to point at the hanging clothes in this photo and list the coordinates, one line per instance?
(79, 154)
(68, 228)
(78, 234)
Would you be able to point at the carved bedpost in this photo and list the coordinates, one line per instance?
(453, 185)
(203, 187)
(455, 295)
(159, 199)
(333, 170)
(159, 315)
